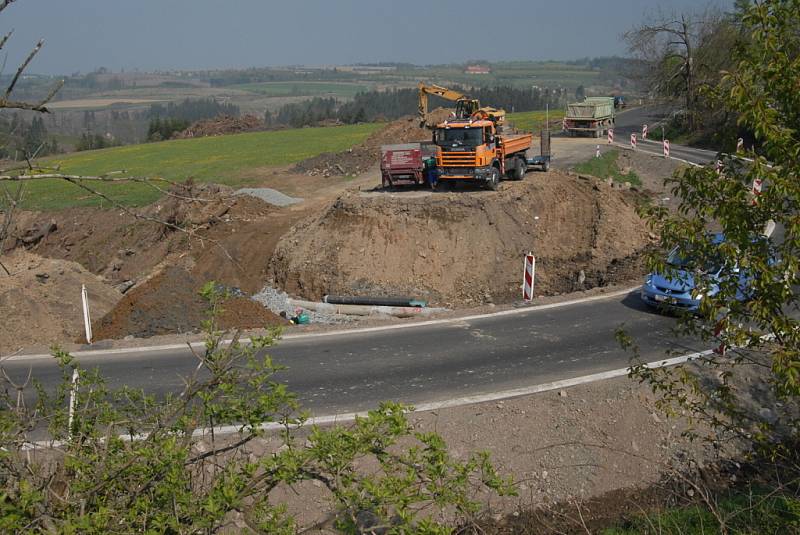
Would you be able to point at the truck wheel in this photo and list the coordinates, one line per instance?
(519, 170)
(494, 179)
(546, 166)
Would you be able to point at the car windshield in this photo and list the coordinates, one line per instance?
(677, 260)
(470, 137)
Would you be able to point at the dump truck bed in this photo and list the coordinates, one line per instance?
(591, 108)
(516, 143)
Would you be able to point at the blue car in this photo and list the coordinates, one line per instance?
(677, 291)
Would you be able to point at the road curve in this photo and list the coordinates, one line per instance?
(418, 364)
(631, 121)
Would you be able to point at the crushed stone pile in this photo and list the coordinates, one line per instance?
(269, 195)
(366, 155)
(278, 302)
(221, 125)
(465, 248)
(41, 300)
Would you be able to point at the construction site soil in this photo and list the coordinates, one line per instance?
(171, 303)
(40, 300)
(465, 248)
(213, 235)
(458, 249)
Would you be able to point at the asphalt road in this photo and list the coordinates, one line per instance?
(355, 371)
(631, 121)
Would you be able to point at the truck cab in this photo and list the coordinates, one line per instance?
(473, 150)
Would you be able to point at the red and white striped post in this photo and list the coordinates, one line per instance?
(633, 141)
(564, 123)
(644, 132)
(610, 136)
(528, 277)
(756, 189)
(718, 167)
(666, 148)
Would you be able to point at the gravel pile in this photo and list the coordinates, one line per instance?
(269, 195)
(278, 301)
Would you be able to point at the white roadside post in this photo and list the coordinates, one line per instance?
(740, 145)
(529, 271)
(87, 322)
(72, 401)
(597, 152)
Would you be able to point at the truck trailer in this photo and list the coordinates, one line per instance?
(594, 116)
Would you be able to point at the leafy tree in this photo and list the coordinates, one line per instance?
(752, 313)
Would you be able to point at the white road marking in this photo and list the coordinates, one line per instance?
(343, 332)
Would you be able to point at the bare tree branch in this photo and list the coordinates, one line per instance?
(5, 39)
(22, 68)
(5, 3)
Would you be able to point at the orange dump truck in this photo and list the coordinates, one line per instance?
(472, 150)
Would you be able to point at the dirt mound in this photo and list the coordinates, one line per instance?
(170, 303)
(366, 155)
(466, 247)
(41, 300)
(220, 126)
(125, 250)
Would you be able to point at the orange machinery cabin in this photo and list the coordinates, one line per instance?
(467, 148)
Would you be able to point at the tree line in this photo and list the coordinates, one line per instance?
(392, 104)
(22, 139)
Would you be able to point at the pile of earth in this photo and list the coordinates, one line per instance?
(40, 299)
(221, 125)
(366, 155)
(212, 234)
(229, 237)
(466, 248)
(171, 302)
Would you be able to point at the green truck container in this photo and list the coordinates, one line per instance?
(593, 116)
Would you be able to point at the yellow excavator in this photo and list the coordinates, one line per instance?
(466, 107)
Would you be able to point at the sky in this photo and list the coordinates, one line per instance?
(82, 35)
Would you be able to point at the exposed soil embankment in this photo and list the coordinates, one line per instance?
(465, 248)
(170, 302)
(40, 300)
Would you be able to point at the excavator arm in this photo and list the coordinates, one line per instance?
(464, 105)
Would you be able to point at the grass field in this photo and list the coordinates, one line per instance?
(606, 167)
(745, 513)
(223, 160)
(320, 89)
(532, 120)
